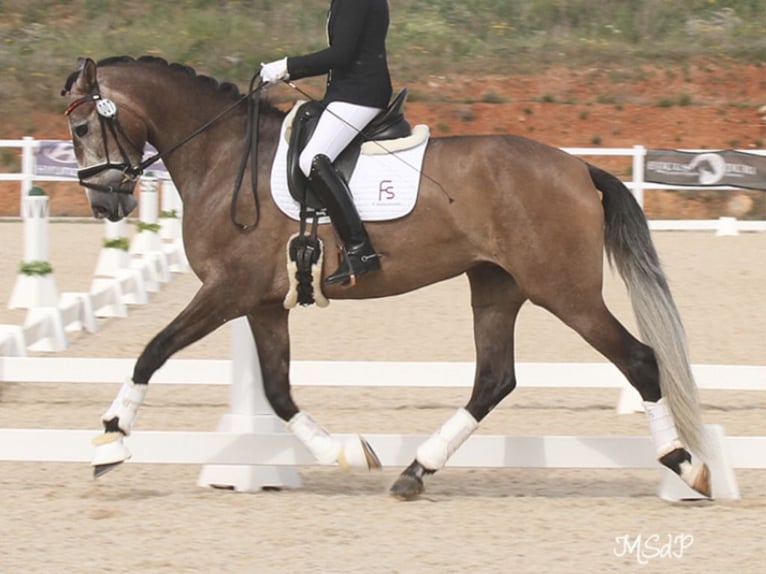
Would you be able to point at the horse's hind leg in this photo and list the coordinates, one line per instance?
(209, 309)
(593, 321)
(496, 300)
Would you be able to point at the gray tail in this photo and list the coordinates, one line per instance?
(630, 250)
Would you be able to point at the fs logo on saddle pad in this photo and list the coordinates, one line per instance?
(384, 182)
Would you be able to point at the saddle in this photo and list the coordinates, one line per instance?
(387, 125)
(305, 251)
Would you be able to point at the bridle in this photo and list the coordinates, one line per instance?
(107, 117)
(109, 122)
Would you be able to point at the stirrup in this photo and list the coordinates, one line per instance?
(353, 265)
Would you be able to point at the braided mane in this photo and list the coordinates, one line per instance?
(227, 89)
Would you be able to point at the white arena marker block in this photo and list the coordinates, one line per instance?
(727, 226)
(148, 273)
(132, 285)
(723, 481)
(32, 291)
(44, 330)
(107, 298)
(111, 261)
(12, 341)
(249, 413)
(77, 312)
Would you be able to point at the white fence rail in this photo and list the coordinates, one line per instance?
(363, 373)
(230, 448)
(28, 176)
(374, 374)
(479, 451)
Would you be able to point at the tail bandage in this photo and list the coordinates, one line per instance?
(434, 453)
(319, 442)
(662, 427)
(125, 405)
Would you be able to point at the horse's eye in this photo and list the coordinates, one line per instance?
(81, 131)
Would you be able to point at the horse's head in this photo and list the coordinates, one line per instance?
(104, 127)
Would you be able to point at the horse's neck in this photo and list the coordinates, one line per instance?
(209, 161)
(187, 147)
(174, 108)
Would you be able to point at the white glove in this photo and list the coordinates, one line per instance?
(274, 71)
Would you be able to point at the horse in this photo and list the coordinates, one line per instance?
(523, 220)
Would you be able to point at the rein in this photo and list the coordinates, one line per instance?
(251, 149)
(107, 115)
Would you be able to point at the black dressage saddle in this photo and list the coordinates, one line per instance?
(388, 125)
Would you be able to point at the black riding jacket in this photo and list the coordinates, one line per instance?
(355, 61)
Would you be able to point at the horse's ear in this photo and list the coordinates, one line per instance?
(86, 81)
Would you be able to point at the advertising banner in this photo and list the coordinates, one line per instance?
(704, 169)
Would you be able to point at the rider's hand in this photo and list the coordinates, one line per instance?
(274, 71)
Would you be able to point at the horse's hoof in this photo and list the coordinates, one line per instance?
(101, 469)
(373, 462)
(357, 452)
(110, 453)
(407, 487)
(702, 482)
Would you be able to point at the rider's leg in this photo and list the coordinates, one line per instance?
(339, 124)
(359, 256)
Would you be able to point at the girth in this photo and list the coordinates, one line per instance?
(389, 124)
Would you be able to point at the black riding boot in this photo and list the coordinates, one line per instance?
(358, 255)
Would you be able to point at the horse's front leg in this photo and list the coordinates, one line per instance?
(269, 325)
(209, 309)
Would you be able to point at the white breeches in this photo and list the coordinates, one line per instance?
(339, 123)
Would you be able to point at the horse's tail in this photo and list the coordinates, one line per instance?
(629, 248)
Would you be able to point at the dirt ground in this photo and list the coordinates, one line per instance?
(153, 519)
(707, 104)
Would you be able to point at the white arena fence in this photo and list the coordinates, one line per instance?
(724, 225)
(441, 374)
(125, 273)
(251, 449)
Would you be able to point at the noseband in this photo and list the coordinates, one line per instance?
(107, 116)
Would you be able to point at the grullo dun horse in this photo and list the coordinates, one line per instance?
(524, 221)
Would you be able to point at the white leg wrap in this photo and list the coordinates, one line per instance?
(433, 453)
(662, 427)
(319, 442)
(125, 405)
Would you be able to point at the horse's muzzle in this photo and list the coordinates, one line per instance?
(110, 205)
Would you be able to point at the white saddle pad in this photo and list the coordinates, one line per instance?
(384, 183)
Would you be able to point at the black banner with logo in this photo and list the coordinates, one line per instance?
(705, 169)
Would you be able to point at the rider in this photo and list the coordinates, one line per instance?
(358, 88)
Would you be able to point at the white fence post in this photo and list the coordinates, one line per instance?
(116, 282)
(639, 153)
(28, 168)
(249, 413)
(38, 288)
(147, 243)
(171, 231)
(113, 259)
